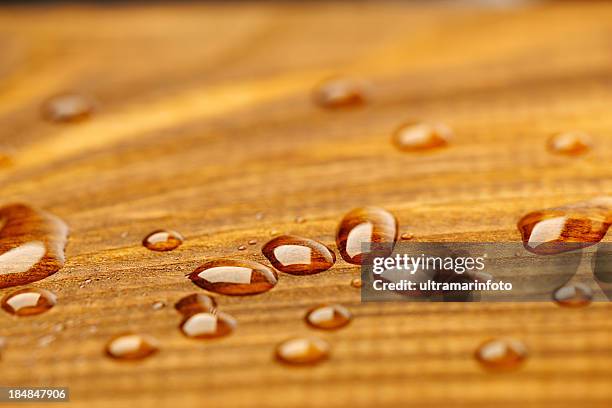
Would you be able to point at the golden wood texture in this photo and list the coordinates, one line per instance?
(205, 119)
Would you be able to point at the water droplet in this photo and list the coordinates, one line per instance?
(356, 283)
(406, 236)
(32, 245)
(421, 136)
(364, 225)
(28, 302)
(205, 325)
(131, 347)
(341, 92)
(274, 232)
(195, 303)
(303, 351)
(58, 327)
(234, 277)
(46, 340)
(252, 242)
(159, 305)
(566, 228)
(300, 220)
(576, 295)
(569, 143)
(328, 317)
(242, 247)
(501, 354)
(298, 256)
(68, 107)
(259, 216)
(163, 240)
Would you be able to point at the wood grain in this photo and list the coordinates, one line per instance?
(205, 119)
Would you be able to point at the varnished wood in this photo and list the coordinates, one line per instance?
(205, 119)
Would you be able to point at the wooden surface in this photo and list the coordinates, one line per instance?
(205, 119)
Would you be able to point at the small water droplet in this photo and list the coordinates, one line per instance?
(234, 277)
(274, 232)
(124, 234)
(356, 283)
(32, 245)
(259, 216)
(302, 351)
(58, 327)
(68, 107)
(300, 220)
(46, 340)
(159, 305)
(28, 302)
(328, 317)
(195, 303)
(298, 256)
(364, 225)
(406, 236)
(570, 143)
(206, 325)
(163, 240)
(421, 136)
(576, 295)
(252, 242)
(566, 228)
(242, 247)
(131, 347)
(501, 354)
(341, 92)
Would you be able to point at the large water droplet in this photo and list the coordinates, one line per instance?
(205, 325)
(28, 302)
(302, 351)
(163, 240)
(68, 107)
(234, 277)
(501, 354)
(569, 143)
(566, 228)
(298, 256)
(328, 317)
(364, 225)
(573, 295)
(32, 245)
(341, 92)
(195, 303)
(421, 136)
(131, 347)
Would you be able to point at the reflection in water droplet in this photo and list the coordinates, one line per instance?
(32, 245)
(341, 92)
(566, 228)
(501, 354)
(356, 283)
(131, 347)
(274, 232)
(206, 325)
(195, 303)
(68, 107)
(252, 242)
(302, 351)
(298, 256)
(407, 236)
(259, 216)
(163, 240)
(28, 302)
(234, 277)
(364, 225)
(574, 295)
(421, 136)
(328, 317)
(242, 247)
(159, 305)
(569, 143)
